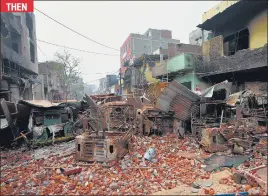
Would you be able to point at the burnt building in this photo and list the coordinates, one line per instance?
(238, 49)
(19, 65)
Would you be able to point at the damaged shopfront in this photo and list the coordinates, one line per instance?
(237, 122)
(48, 122)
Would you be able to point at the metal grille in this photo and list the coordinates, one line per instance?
(99, 148)
(88, 150)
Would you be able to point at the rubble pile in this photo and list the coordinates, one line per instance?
(170, 163)
(132, 175)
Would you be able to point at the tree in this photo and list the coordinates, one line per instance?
(67, 70)
(77, 90)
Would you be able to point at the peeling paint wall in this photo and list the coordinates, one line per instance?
(147, 70)
(213, 47)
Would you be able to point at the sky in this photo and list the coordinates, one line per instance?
(110, 23)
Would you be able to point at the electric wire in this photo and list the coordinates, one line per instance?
(81, 50)
(54, 44)
(81, 73)
(103, 77)
(75, 31)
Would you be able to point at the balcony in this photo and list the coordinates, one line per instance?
(241, 60)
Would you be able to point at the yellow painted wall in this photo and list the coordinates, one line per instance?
(258, 31)
(206, 48)
(217, 9)
(148, 74)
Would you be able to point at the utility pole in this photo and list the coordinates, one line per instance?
(120, 82)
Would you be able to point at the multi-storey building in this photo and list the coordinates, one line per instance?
(19, 64)
(50, 87)
(238, 49)
(102, 88)
(77, 90)
(199, 36)
(136, 45)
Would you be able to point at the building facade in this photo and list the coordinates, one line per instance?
(102, 89)
(136, 45)
(19, 64)
(199, 36)
(77, 90)
(238, 50)
(89, 89)
(50, 87)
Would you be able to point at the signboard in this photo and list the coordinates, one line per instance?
(17, 6)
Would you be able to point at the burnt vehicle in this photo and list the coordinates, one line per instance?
(239, 123)
(108, 128)
(154, 121)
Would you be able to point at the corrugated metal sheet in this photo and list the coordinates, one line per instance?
(179, 99)
(222, 85)
(65, 101)
(40, 103)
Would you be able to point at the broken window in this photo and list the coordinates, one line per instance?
(16, 41)
(235, 42)
(32, 52)
(219, 94)
(29, 24)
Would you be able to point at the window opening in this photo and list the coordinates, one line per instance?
(235, 42)
(111, 149)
